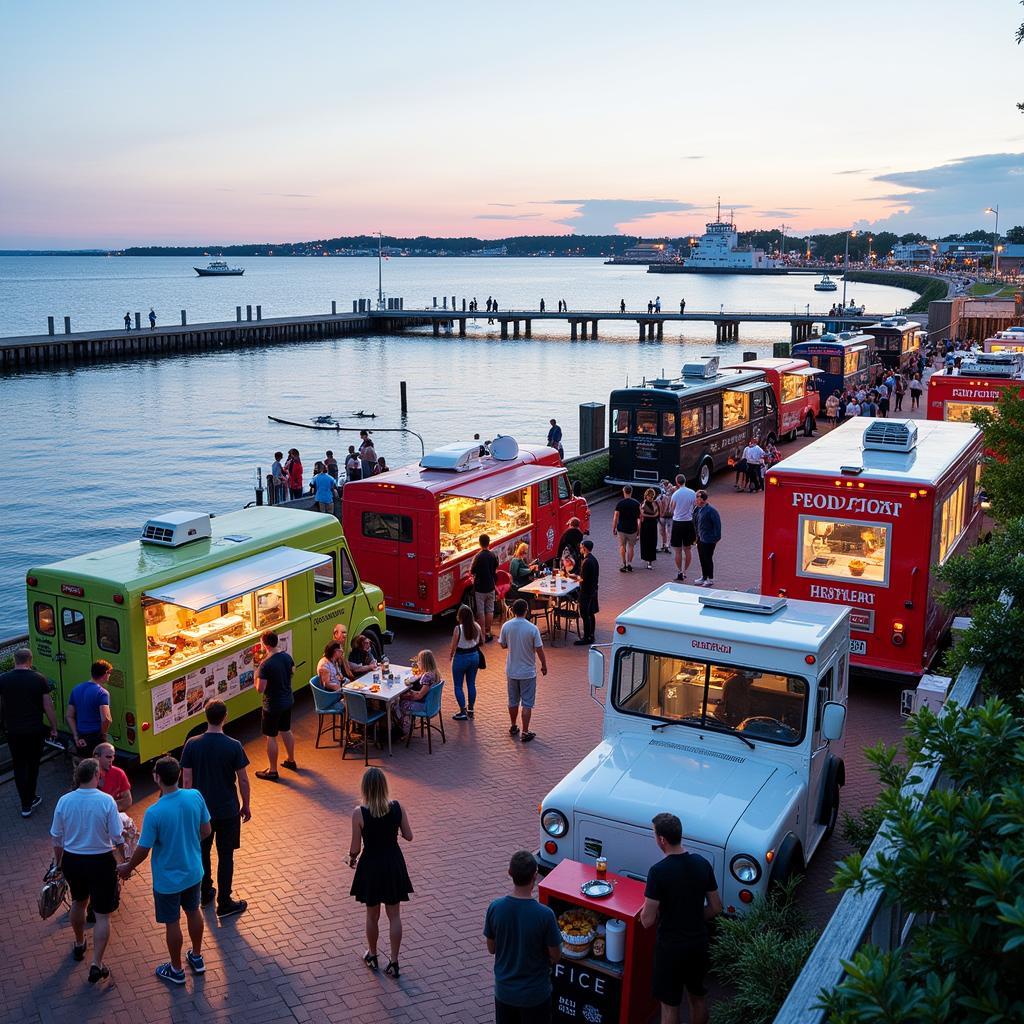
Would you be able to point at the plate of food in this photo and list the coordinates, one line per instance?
(597, 888)
(356, 686)
(375, 688)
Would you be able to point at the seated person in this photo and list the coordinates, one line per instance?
(570, 542)
(523, 572)
(360, 657)
(418, 692)
(329, 668)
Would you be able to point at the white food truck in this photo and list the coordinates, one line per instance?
(723, 708)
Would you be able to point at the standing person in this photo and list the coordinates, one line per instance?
(883, 400)
(682, 306)
(680, 898)
(113, 780)
(542, 305)
(86, 830)
(664, 516)
(88, 710)
(832, 409)
(522, 639)
(683, 534)
(127, 321)
(524, 939)
(622, 305)
(381, 875)
(353, 467)
(650, 307)
(465, 657)
(709, 532)
(753, 456)
(485, 582)
(649, 516)
(331, 463)
(555, 439)
(280, 483)
(293, 473)
(24, 699)
(367, 457)
(590, 572)
(325, 489)
(152, 319)
(852, 407)
(215, 764)
(657, 304)
(381, 467)
(916, 387)
(626, 526)
(173, 829)
(569, 543)
(901, 390)
(274, 681)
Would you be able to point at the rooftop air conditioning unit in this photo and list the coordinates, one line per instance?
(705, 370)
(173, 529)
(504, 448)
(993, 364)
(891, 436)
(458, 457)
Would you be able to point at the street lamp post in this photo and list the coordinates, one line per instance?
(846, 262)
(995, 244)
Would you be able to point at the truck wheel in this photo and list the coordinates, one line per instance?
(772, 438)
(809, 425)
(704, 471)
(376, 644)
(833, 814)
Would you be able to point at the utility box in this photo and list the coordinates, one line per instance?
(931, 693)
(592, 427)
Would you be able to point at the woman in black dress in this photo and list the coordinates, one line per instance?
(381, 875)
(649, 515)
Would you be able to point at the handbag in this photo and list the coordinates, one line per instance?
(54, 892)
(480, 652)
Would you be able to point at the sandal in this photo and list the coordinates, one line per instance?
(96, 973)
(513, 730)
(392, 969)
(370, 959)
(290, 765)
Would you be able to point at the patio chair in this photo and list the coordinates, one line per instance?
(360, 713)
(567, 612)
(425, 710)
(502, 586)
(330, 706)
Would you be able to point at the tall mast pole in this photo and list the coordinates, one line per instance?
(380, 277)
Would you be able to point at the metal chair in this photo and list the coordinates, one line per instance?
(329, 705)
(567, 611)
(360, 713)
(502, 586)
(425, 710)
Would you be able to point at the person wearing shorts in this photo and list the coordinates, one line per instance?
(684, 534)
(626, 526)
(485, 583)
(680, 898)
(86, 830)
(274, 681)
(172, 830)
(88, 711)
(522, 639)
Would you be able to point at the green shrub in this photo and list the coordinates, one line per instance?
(929, 289)
(758, 956)
(859, 829)
(590, 472)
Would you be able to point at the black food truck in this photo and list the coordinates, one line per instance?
(692, 425)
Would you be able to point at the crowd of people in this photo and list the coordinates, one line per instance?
(878, 400)
(329, 475)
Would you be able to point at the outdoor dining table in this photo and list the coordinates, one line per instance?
(553, 589)
(389, 693)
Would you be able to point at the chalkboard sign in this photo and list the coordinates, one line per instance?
(584, 995)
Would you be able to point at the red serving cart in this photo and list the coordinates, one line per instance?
(593, 989)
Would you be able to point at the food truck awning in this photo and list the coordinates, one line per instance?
(219, 585)
(805, 371)
(483, 489)
(746, 389)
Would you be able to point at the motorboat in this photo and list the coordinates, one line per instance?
(218, 268)
(826, 284)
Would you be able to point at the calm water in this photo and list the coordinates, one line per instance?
(92, 452)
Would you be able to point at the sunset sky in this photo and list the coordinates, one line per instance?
(128, 123)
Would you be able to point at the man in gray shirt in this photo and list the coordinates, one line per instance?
(521, 638)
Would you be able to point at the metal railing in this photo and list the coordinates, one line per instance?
(863, 916)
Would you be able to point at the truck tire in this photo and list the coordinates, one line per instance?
(809, 425)
(788, 863)
(835, 779)
(833, 813)
(704, 471)
(376, 644)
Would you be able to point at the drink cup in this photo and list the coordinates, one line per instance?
(602, 867)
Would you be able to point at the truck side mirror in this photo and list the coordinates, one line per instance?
(577, 489)
(595, 669)
(833, 720)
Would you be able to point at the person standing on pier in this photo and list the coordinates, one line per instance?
(353, 467)
(127, 321)
(542, 305)
(657, 304)
(622, 305)
(650, 307)
(293, 473)
(626, 526)
(331, 463)
(555, 438)
(280, 484)
(152, 319)
(367, 456)
(682, 306)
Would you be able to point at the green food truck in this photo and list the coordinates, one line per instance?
(179, 613)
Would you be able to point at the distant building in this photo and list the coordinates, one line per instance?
(960, 252)
(500, 250)
(1011, 260)
(913, 252)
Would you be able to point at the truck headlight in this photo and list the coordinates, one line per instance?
(745, 869)
(554, 823)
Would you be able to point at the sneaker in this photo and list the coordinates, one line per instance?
(527, 736)
(78, 951)
(513, 730)
(196, 962)
(27, 814)
(708, 583)
(168, 973)
(461, 716)
(622, 568)
(97, 973)
(207, 897)
(231, 908)
(36, 802)
(629, 568)
(680, 576)
(469, 711)
(699, 583)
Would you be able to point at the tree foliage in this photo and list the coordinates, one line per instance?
(1004, 471)
(957, 862)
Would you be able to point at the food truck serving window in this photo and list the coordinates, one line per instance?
(954, 519)
(762, 705)
(844, 550)
(960, 412)
(463, 520)
(735, 408)
(792, 387)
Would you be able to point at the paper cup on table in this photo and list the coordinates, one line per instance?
(615, 950)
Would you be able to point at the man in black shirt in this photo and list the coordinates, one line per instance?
(681, 897)
(24, 699)
(213, 763)
(485, 581)
(589, 574)
(274, 681)
(626, 526)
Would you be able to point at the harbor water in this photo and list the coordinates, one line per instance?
(93, 451)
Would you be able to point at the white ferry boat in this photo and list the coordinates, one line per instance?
(826, 284)
(218, 268)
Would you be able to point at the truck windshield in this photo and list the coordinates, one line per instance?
(762, 705)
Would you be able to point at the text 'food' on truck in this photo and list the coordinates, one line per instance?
(725, 709)
(416, 530)
(179, 614)
(693, 425)
(862, 516)
(793, 381)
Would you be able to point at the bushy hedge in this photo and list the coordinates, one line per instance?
(928, 288)
(590, 472)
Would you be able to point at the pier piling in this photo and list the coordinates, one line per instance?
(238, 314)
(67, 325)
(138, 321)
(403, 398)
(49, 325)
(334, 307)
(184, 319)
(259, 312)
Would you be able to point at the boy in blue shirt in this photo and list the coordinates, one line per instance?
(88, 713)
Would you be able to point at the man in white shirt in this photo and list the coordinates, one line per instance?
(852, 408)
(683, 532)
(753, 456)
(521, 638)
(86, 829)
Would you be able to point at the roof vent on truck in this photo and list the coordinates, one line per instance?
(755, 604)
(891, 436)
(993, 364)
(465, 455)
(173, 529)
(707, 369)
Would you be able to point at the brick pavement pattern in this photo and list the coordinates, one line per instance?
(295, 954)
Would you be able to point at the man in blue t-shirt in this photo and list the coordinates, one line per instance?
(523, 937)
(88, 712)
(173, 829)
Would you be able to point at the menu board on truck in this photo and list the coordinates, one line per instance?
(185, 696)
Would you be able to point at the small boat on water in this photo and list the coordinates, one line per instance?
(826, 284)
(218, 268)
(323, 422)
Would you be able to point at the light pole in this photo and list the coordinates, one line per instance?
(846, 262)
(995, 244)
(380, 276)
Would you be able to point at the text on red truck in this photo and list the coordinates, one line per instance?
(847, 503)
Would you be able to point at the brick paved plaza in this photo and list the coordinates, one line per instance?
(295, 954)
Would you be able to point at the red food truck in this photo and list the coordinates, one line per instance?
(861, 517)
(415, 531)
(792, 381)
(979, 383)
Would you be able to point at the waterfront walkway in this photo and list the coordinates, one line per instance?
(295, 954)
